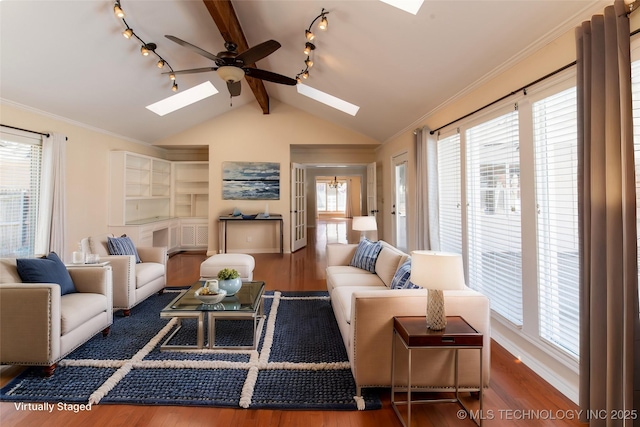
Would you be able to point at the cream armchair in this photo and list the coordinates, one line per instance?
(132, 283)
(39, 326)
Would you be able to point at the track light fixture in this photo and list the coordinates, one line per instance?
(310, 47)
(145, 48)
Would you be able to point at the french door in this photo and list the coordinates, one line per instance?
(298, 207)
(399, 207)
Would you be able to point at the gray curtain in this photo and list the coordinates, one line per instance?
(427, 223)
(607, 216)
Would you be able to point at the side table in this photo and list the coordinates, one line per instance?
(413, 333)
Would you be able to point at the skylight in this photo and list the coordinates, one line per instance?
(327, 99)
(182, 99)
(411, 6)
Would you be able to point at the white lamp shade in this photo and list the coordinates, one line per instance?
(364, 223)
(437, 270)
(230, 74)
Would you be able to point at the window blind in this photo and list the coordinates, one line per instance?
(20, 163)
(635, 96)
(449, 194)
(556, 165)
(493, 188)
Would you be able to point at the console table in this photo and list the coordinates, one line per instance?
(226, 219)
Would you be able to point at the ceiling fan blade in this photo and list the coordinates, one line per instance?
(257, 52)
(269, 76)
(234, 88)
(194, 48)
(193, 70)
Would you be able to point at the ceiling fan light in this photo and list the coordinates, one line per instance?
(128, 33)
(117, 10)
(309, 35)
(160, 63)
(230, 74)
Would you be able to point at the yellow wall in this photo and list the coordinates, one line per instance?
(87, 168)
(245, 134)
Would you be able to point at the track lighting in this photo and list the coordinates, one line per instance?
(310, 47)
(323, 23)
(146, 48)
(309, 35)
(117, 10)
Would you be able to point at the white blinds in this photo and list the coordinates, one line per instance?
(635, 96)
(556, 165)
(20, 159)
(449, 194)
(493, 188)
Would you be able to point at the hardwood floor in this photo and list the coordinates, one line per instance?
(516, 396)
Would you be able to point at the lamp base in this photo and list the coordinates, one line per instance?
(436, 319)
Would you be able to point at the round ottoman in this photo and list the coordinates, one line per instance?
(243, 263)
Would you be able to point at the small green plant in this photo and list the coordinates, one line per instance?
(227, 274)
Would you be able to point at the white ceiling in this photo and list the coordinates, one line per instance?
(69, 59)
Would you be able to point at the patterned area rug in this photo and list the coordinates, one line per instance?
(300, 363)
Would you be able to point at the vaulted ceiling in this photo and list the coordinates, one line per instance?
(69, 59)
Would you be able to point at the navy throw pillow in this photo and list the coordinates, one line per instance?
(401, 278)
(49, 269)
(366, 255)
(122, 246)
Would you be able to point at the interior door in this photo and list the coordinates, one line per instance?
(372, 199)
(298, 207)
(399, 207)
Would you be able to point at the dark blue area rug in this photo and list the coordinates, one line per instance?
(300, 363)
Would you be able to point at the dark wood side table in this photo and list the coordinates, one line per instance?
(413, 334)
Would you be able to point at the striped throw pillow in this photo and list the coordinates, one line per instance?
(122, 246)
(401, 278)
(366, 255)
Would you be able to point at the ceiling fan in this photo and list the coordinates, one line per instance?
(231, 66)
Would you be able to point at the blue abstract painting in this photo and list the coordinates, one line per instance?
(250, 181)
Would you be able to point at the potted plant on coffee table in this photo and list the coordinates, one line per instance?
(229, 280)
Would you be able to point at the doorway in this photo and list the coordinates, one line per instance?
(399, 200)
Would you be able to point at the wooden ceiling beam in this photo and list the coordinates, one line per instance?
(227, 22)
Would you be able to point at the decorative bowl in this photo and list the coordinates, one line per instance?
(249, 216)
(210, 298)
(231, 286)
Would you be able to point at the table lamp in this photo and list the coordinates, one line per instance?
(364, 224)
(437, 271)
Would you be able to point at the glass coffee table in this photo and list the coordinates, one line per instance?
(246, 304)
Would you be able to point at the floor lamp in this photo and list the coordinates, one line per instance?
(437, 271)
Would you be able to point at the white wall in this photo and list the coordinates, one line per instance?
(245, 134)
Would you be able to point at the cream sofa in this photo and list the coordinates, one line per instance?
(364, 307)
(38, 326)
(132, 283)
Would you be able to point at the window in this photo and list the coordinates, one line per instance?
(449, 194)
(20, 163)
(493, 191)
(635, 96)
(330, 198)
(556, 166)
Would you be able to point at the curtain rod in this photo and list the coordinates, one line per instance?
(30, 131)
(523, 88)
